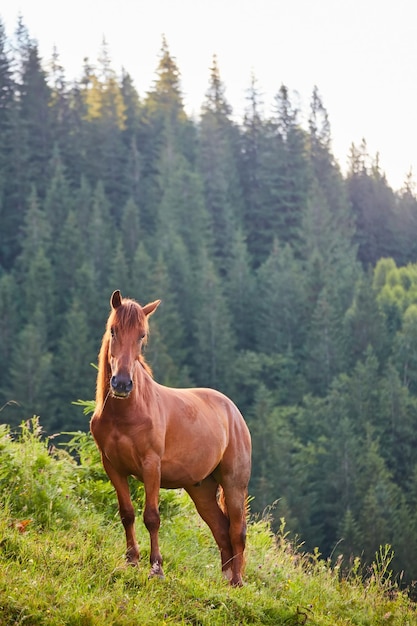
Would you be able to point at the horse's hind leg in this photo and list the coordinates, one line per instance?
(204, 497)
(236, 503)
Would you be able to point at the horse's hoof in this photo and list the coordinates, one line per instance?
(156, 572)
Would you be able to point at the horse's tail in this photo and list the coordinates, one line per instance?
(221, 500)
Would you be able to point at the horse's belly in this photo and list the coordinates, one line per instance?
(189, 469)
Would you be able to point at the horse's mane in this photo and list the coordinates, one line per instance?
(128, 315)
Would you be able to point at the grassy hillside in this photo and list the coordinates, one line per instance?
(62, 546)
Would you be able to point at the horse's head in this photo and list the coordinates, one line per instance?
(127, 329)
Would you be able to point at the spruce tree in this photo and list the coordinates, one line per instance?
(72, 364)
(119, 271)
(214, 341)
(218, 149)
(280, 302)
(239, 293)
(130, 229)
(254, 181)
(68, 255)
(182, 211)
(58, 198)
(165, 127)
(100, 236)
(35, 116)
(31, 373)
(9, 328)
(9, 218)
(364, 324)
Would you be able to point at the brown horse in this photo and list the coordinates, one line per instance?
(191, 438)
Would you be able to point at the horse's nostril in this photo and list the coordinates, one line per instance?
(113, 382)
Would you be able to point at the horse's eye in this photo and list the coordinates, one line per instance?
(141, 337)
(112, 332)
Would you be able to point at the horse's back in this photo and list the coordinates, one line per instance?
(201, 405)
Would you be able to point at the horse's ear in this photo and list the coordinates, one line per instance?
(116, 299)
(150, 308)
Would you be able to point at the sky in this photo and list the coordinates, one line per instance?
(361, 55)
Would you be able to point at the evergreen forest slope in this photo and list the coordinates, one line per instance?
(286, 284)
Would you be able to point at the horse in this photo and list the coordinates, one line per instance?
(190, 438)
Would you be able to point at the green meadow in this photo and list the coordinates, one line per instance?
(62, 556)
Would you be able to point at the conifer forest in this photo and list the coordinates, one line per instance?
(284, 283)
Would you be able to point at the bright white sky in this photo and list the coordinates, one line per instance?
(361, 54)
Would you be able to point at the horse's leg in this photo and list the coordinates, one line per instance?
(151, 518)
(204, 497)
(236, 498)
(126, 510)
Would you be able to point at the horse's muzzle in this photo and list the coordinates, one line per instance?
(121, 386)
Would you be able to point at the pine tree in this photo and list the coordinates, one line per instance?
(184, 277)
(130, 229)
(62, 120)
(380, 502)
(132, 108)
(182, 211)
(58, 200)
(165, 128)
(132, 138)
(118, 274)
(38, 289)
(218, 149)
(331, 271)
(350, 539)
(214, 340)
(141, 287)
(280, 303)
(291, 178)
(36, 232)
(273, 445)
(9, 218)
(167, 351)
(68, 256)
(239, 293)
(364, 323)
(405, 348)
(9, 328)
(86, 292)
(111, 123)
(72, 363)
(254, 137)
(83, 200)
(35, 116)
(406, 213)
(31, 380)
(166, 96)
(34, 257)
(324, 358)
(373, 203)
(100, 238)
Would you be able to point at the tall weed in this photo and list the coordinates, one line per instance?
(36, 479)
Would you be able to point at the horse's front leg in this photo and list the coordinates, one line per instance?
(126, 511)
(151, 518)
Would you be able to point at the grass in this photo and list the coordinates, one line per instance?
(66, 567)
